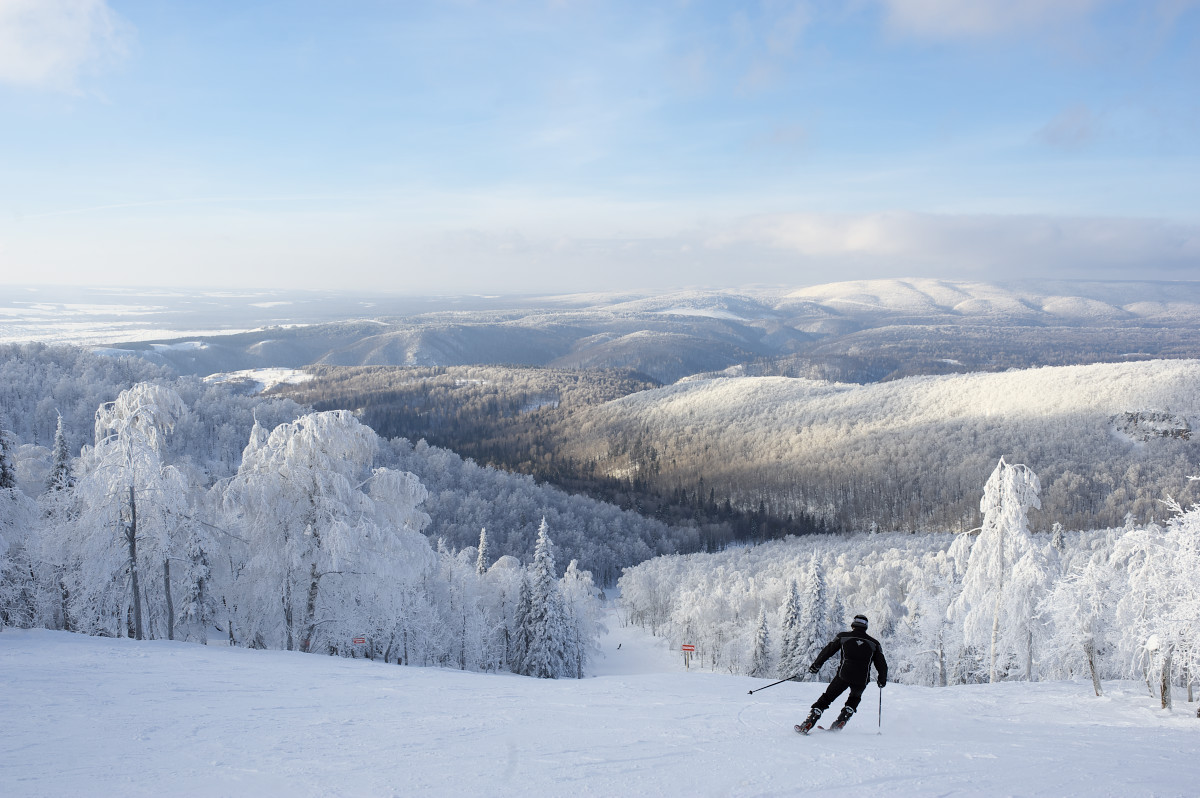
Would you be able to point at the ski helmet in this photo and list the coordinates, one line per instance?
(859, 622)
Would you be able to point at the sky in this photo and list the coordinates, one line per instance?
(463, 146)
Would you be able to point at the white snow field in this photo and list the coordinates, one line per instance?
(86, 716)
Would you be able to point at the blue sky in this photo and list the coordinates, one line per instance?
(560, 146)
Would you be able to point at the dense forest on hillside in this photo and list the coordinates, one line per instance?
(1107, 440)
(763, 457)
(207, 444)
(516, 418)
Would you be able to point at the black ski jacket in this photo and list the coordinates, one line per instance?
(859, 651)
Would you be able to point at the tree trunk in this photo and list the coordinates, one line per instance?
(1166, 677)
(170, 603)
(1089, 650)
(310, 608)
(287, 612)
(1029, 654)
(131, 540)
(995, 638)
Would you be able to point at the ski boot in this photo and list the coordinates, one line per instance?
(842, 719)
(810, 721)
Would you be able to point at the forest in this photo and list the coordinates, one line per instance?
(311, 544)
(517, 418)
(754, 459)
(989, 604)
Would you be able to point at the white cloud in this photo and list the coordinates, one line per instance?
(948, 19)
(49, 43)
(966, 245)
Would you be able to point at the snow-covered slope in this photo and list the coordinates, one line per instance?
(927, 443)
(861, 330)
(102, 717)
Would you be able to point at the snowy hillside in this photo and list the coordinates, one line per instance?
(852, 331)
(97, 716)
(924, 442)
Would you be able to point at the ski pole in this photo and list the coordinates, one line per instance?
(880, 709)
(772, 684)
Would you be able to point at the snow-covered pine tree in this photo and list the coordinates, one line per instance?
(199, 606)
(791, 658)
(60, 477)
(519, 649)
(547, 622)
(19, 590)
(813, 626)
(481, 562)
(760, 662)
(8, 467)
(582, 603)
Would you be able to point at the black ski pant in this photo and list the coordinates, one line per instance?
(835, 689)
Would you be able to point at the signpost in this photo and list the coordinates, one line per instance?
(688, 650)
(360, 641)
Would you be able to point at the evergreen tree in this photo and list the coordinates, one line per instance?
(813, 624)
(791, 658)
(8, 468)
(481, 562)
(760, 663)
(549, 636)
(521, 626)
(60, 477)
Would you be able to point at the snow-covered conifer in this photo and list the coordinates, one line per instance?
(60, 477)
(481, 562)
(582, 604)
(760, 663)
(549, 636)
(791, 658)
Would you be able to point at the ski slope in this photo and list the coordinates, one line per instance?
(99, 717)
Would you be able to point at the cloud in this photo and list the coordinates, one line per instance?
(946, 245)
(951, 19)
(47, 44)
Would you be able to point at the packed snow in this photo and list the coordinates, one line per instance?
(99, 716)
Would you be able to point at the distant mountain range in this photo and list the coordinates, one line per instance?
(862, 331)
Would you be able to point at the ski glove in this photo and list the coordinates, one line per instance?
(882, 683)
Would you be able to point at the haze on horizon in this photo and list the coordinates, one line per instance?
(452, 146)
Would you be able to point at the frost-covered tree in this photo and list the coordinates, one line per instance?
(549, 635)
(995, 605)
(519, 650)
(812, 626)
(791, 657)
(61, 476)
(582, 604)
(8, 468)
(760, 663)
(20, 597)
(1080, 614)
(130, 502)
(1159, 599)
(315, 518)
(481, 561)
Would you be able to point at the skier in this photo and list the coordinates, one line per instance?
(859, 651)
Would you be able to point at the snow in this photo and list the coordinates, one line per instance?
(265, 378)
(96, 716)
